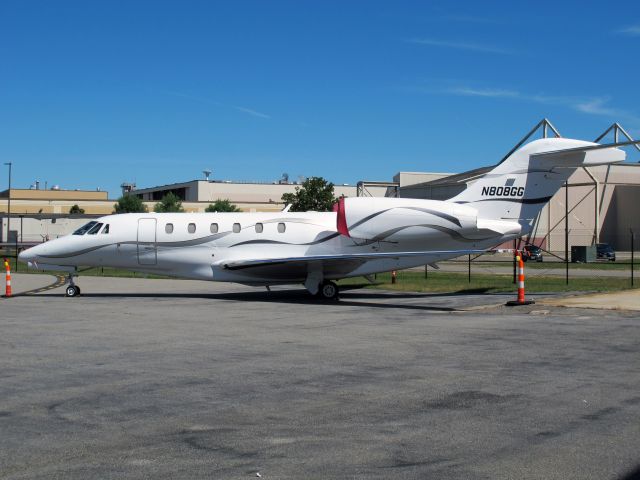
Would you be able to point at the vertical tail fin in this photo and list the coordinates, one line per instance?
(519, 187)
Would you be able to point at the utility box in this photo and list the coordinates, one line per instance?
(583, 254)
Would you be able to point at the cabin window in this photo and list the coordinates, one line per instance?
(259, 228)
(106, 229)
(191, 228)
(84, 229)
(281, 227)
(214, 228)
(168, 228)
(236, 228)
(95, 229)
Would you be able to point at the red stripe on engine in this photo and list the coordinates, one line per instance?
(341, 218)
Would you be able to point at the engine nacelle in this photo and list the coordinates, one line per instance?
(396, 219)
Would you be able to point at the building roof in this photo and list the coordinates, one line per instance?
(191, 183)
(41, 194)
(458, 178)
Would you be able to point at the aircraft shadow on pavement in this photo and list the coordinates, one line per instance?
(633, 474)
(348, 298)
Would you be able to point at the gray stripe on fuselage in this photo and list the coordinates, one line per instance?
(452, 233)
(182, 243)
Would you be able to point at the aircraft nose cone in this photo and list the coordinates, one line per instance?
(25, 256)
(30, 254)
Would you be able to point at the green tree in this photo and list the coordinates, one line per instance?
(169, 203)
(315, 193)
(75, 210)
(129, 204)
(222, 206)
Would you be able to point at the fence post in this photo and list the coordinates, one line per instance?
(632, 238)
(566, 230)
(514, 260)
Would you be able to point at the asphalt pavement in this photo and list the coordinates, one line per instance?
(176, 379)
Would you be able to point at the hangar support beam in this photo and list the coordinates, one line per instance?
(543, 124)
(363, 188)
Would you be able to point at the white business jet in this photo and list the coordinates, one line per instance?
(362, 236)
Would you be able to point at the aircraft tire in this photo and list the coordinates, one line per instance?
(72, 291)
(328, 291)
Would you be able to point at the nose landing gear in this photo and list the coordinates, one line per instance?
(72, 290)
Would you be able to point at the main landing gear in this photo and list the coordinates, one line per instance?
(328, 291)
(319, 287)
(72, 290)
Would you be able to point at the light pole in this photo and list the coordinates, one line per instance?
(9, 203)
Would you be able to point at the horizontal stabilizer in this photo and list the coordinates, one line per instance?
(583, 156)
(587, 148)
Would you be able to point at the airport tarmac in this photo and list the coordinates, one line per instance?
(178, 379)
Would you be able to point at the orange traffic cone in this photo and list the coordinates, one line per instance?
(521, 300)
(8, 287)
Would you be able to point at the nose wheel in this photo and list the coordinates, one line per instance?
(72, 290)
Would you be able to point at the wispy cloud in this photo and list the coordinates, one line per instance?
(514, 94)
(590, 105)
(252, 112)
(597, 106)
(483, 92)
(469, 46)
(631, 31)
(246, 110)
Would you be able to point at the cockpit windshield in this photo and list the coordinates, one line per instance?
(85, 228)
(95, 229)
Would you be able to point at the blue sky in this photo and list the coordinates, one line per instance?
(96, 93)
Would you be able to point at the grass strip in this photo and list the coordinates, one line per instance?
(439, 282)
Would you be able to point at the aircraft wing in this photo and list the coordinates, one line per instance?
(345, 262)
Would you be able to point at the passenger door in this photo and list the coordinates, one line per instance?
(147, 253)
